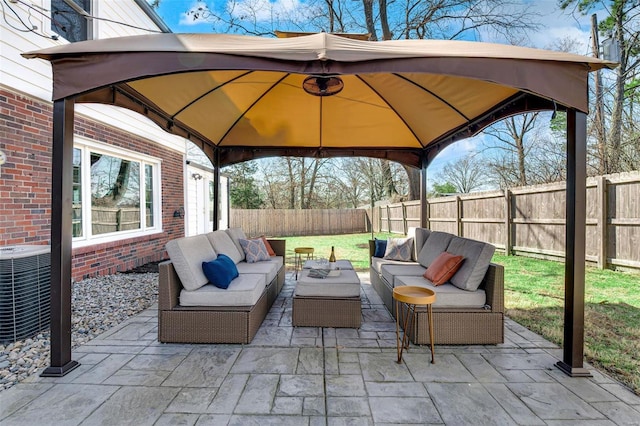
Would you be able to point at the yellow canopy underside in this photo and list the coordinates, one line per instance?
(268, 108)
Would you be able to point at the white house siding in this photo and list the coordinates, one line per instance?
(31, 81)
(33, 76)
(198, 211)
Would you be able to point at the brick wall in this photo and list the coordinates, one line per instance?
(25, 187)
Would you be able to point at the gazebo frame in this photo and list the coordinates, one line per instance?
(96, 58)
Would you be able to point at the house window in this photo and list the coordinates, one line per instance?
(69, 19)
(123, 192)
(77, 193)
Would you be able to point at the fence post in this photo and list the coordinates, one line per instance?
(119, 220)
(459, 215)
(404, 219)
(427, 207)
(603, 201)
(388, 218)
(507, 223)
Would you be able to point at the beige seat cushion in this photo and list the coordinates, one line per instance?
(243, 291)
(377, 262)
(447, 295)
(278, 260)
(267, 268)
(347, 284)
(390, 271)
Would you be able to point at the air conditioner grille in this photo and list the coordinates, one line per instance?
(25, 281)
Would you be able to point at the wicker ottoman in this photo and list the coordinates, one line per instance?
(333, 301)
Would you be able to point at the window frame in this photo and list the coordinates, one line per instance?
(90, 34)
(87, 147)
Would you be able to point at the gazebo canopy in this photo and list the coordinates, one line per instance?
(246, 95)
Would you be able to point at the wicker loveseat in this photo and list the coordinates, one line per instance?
(460, 316)
(202, 313)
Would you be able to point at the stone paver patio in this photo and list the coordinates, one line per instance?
(313, 376)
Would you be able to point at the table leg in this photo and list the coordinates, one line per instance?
(406, 328)
(430, 315)
(399, 343)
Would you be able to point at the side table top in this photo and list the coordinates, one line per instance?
(303, 250)
(414, 295)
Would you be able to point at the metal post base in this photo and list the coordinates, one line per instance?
(60, 371)
(573, 371)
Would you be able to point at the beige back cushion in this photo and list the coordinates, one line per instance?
(236, 235)
(222, 243)
(187, 255)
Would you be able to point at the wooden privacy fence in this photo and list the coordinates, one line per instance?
(113, 219)
(531, 220)
(289, 222)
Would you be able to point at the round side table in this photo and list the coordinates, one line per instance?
(298, 261)
(412, 296)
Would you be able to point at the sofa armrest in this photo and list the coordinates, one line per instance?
(493, 284)
(279, 247)
(169, 286)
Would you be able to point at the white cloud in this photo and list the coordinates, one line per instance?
(559, 24)
(555, 25)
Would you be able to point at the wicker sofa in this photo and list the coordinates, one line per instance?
(460, 316)
(202, 313)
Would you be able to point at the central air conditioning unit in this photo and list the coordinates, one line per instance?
(25, 288)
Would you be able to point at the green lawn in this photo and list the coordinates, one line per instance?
(534, 297)
(354, 247)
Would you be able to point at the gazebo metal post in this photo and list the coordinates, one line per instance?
(216, 189)
(423, 190)
(61, 236)
(573, 349)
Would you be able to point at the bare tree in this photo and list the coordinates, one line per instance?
(466, 174)
(623, 26)
(509, 137)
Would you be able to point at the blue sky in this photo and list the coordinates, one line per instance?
(556, 25)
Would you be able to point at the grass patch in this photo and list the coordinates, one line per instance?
(534, 297)
(354, 247)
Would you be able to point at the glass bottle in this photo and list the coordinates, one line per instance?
(332, 259)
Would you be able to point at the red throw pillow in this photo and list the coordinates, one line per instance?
(268, 246)
(443, 268)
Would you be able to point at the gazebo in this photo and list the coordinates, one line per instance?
(240, 98)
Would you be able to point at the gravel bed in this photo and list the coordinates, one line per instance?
(97, 305)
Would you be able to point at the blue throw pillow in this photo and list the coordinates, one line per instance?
(381, 248)
(221, 271)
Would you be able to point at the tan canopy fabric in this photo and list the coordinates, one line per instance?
(245, 94)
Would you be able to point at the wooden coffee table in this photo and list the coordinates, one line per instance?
(333, 301)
